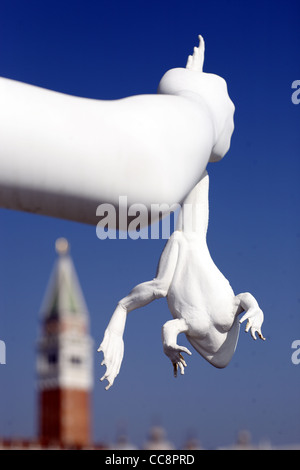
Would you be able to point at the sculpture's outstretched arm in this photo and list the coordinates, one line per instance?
(112, 345)
(254, 315)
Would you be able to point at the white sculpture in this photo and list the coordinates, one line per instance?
(200, 298)
(62, 155)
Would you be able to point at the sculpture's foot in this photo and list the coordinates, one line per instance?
(175, 356)
(112, 347)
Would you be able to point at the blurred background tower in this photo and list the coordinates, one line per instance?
(64, 363)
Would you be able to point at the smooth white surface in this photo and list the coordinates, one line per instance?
(200, 298)
(62, 155)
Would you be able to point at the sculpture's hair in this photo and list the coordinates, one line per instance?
(195, 61)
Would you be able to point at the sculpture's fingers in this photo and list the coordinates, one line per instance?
(110, 382)
(189, 62)
(104, 377)
(182, 361)
(253, 333)
(261, 335)
(201, 43)
(110, 377)
(186, 350)
(244, 317)
(181, 367)
(175, 368)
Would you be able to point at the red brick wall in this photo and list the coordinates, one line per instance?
(65, 417)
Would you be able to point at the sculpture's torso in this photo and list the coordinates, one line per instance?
(199, 293)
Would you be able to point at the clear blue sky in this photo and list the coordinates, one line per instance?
(114, 49)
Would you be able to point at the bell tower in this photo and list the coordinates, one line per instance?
(64, 363)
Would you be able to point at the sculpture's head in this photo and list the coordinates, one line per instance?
(208, 89)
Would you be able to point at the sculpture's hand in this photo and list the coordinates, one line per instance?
(255, 319)
(112, 347)
(173, 353)
(170, 331)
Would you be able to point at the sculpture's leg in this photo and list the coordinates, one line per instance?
(246, 302)
(112, 345)
(170, 331)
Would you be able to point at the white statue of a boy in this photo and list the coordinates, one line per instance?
(200, 298)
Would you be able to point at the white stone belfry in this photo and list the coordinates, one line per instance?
(64, 364)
